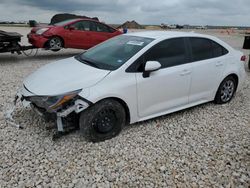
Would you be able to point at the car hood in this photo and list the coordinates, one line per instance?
(63, 76)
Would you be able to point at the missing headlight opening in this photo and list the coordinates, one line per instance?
(56, 108)
(79, 106)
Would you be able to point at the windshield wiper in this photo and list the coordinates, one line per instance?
(87, 61)
(91, 63)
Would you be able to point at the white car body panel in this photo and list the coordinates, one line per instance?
(206, 75)
(165, 91)
(63, 76)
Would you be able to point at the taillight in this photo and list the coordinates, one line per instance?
(243, 58)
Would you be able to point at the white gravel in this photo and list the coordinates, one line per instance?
(205, 146)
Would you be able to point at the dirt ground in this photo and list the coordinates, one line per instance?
(205, 146)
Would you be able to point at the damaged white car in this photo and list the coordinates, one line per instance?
(132, 78)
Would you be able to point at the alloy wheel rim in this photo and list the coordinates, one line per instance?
(227, 91)
(55, 43)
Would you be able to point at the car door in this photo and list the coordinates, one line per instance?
(168, 87)
(79, 35)
(208, 64)
(100, 33)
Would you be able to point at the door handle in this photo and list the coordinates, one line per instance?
(185, 72)
(218, 64)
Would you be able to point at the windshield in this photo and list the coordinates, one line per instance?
(64, 22)
(113, 53)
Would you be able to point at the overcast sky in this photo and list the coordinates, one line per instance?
(195, 12)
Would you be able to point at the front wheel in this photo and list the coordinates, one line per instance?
(104, 120)
(55, 44)
(226, 90)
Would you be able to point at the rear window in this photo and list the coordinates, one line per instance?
(218, 50)
(206, 49)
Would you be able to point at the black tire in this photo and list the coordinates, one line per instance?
(226, 90)
(104, 120)
(55, 44)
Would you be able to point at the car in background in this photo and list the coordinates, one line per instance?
(74, 33)
(135, 77)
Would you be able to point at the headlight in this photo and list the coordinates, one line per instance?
(59, 101)
(53, 102)
(41, 31)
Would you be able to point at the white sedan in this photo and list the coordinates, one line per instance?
(134, 77)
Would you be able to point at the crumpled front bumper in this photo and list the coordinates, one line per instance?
(38, 41)
(77, 106)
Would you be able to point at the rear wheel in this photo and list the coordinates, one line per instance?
(226, 90)
(55, 44)
(102, 121)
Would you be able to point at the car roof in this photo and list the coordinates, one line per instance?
(162, 35)
(90, 19)
(79, 19)
(167, 34)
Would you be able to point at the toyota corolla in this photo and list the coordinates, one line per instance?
(134, 77)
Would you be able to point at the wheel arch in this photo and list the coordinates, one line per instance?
(124, 105)
(235, 76)
(63, 42)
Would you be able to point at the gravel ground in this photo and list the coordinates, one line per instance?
(205, 146)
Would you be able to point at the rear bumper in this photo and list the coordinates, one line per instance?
(37, 40)
(242, 78)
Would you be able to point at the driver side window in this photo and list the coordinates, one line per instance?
(82, 25)
(168, 53)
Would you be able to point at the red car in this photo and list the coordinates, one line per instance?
(75, 33)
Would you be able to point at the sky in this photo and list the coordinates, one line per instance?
(193, 12)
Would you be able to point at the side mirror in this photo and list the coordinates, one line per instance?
(71, 28)
(150, 66)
